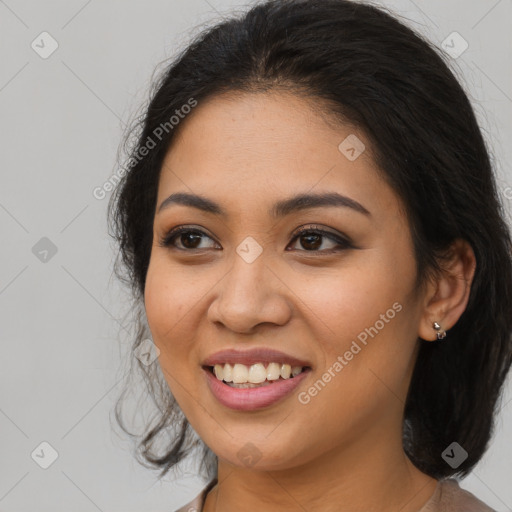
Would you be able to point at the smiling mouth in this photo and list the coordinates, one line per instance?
(257, 375)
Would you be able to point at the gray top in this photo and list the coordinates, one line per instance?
(447, 497)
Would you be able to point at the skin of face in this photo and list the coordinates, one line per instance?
(246, 152)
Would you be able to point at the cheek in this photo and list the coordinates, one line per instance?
(169, 296)
(349, 300)
(167, 300)
(366, 313)
(167, 303)
(158, 301)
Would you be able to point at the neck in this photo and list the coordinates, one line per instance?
(360, 476)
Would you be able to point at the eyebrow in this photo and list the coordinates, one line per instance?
(279, 209)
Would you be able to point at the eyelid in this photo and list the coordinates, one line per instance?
(317, 228)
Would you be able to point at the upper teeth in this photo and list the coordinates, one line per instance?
(256, 373)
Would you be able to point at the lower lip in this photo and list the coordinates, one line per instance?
(252, 398)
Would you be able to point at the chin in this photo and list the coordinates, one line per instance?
(252, 456)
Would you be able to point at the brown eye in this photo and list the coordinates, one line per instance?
(190, 239)
(311, 240)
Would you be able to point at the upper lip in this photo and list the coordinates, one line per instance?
(253, 356)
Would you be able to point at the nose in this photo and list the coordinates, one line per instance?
(250, 294)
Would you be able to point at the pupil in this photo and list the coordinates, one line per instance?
(188, 236)
(309, 238)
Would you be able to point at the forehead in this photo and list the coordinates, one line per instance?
(251, 148)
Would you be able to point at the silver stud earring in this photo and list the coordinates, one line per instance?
(441, 334)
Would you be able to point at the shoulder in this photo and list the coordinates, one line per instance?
(196, 505)
(450, 497)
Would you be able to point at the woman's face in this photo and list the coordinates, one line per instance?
(341, 301)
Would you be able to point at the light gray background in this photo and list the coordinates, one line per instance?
(62, 119)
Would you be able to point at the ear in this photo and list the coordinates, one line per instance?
(447, 295)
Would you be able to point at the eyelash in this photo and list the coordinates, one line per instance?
(343, 243)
